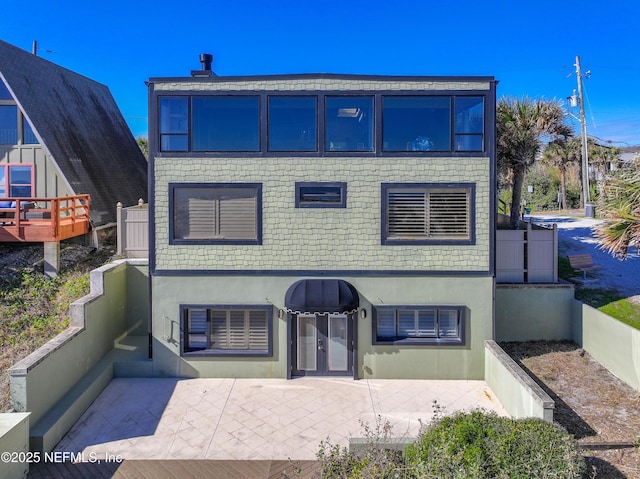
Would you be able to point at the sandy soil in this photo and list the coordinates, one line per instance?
(591, 403)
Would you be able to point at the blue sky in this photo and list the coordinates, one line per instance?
(528, 46)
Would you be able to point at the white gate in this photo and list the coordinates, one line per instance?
(133, 230)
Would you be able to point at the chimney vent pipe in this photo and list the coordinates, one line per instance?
(206, 59)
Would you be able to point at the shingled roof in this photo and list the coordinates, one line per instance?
(78, 123)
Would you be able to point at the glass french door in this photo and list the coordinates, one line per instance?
(322, 345)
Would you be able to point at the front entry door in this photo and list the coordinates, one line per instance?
(322, 345)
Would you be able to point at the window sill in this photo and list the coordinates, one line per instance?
(419, 342)
(209, 353)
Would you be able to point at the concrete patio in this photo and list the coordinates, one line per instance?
(239, 419)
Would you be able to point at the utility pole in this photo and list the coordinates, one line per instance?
(585, 157)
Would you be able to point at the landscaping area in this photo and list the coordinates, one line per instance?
(33, 308)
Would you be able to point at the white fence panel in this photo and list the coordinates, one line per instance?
(527, 256)
(133, 231)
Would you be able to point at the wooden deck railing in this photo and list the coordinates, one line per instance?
(43, 219)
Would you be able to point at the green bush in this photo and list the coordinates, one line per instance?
(480, 445)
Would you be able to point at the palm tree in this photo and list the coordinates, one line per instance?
(523, 126)
(619, 203)
(562, 153)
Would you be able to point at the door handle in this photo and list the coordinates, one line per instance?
(320, 345)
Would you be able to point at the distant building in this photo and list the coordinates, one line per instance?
(62, 135)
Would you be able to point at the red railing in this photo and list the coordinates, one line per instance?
(43, 219)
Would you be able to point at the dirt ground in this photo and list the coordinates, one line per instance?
(599, 409)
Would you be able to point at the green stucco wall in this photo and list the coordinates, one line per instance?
(458, 362)
(44, 377)
(14, 438)
(612, 343)
(529, 312)
(305, 239)
(518, 393)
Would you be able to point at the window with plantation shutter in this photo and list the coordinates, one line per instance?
(424, 325)
(235, 330)
(215, 213)
(423, 214)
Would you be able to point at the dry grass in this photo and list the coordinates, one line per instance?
(591, 403)
(33, 309)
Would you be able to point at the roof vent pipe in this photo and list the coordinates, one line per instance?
(206, 59)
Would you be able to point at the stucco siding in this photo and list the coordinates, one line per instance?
(304, 239)
(373, 361)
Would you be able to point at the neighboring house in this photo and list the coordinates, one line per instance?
(62, 135)
(322, 225)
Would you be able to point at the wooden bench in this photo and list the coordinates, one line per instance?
(582, 262)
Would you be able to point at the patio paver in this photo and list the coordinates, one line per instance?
(266, 419)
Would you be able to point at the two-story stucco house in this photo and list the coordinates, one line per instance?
(322, 225)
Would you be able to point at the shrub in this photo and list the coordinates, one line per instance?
(376, 459)
(483, 445)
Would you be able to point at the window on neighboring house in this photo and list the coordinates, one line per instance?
(16, 181)
(321, 195)
(226, 123)
(416, 123)
(4, 92)
(427, 213)
(29, 138)
(349, 123)
(8, 125)
(292, 123)
(469, 124)
(216, 213)
(428, 325)
(227, 330)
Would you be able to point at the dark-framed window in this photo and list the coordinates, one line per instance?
(215, 213)
(367, 123)
(419, 325)
(225, 123)
(428, 213)
(174, 123)
(293, 123)
(469, 123)
(16, 181)
(321, 195)
(349, 123)
(227, 330)
(416, 123)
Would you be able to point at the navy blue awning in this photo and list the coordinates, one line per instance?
(321, 296)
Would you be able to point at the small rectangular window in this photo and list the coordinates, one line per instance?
(424, 214)
(425, 325)
(416, 123)
(226, 123)
(321, 195)
(16, 181)
(20, 181)
(349, 123)
(292, 123)
(227, 330)
(215, 213)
